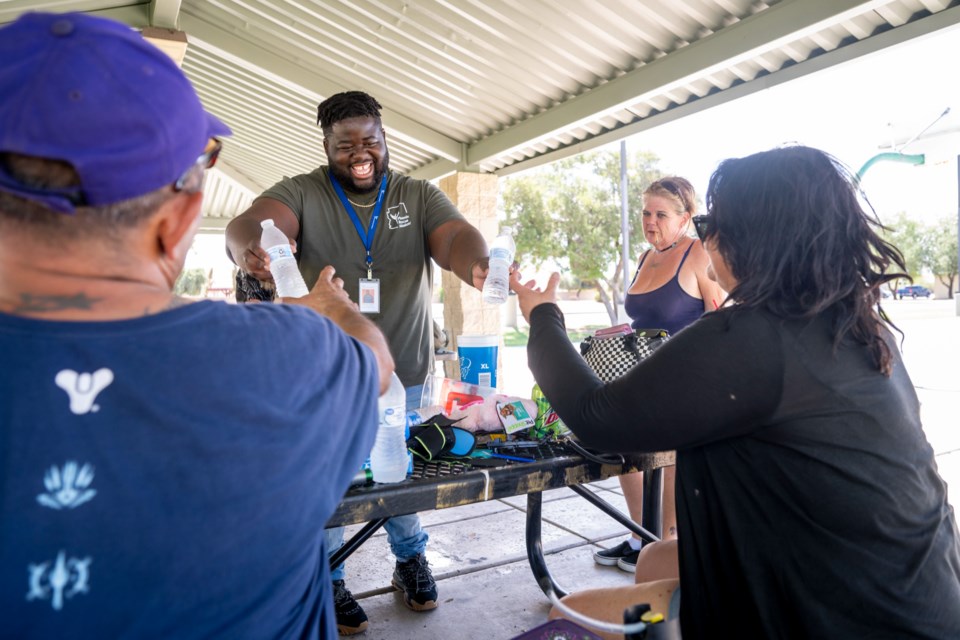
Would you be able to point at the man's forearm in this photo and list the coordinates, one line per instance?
(468, 250)
(354, 324)
(238, 234)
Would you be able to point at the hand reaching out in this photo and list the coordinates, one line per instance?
(529, 295)
(329, 299)
(327, 296)
(255, 261)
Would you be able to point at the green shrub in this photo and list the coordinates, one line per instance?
(190, 283)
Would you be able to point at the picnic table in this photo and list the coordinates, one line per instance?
(552, 465)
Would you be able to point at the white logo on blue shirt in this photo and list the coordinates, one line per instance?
(83, 388)
(63, 579)
(67, 488)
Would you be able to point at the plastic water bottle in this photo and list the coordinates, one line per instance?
(497, 285)
(388, 459)
(283, 266)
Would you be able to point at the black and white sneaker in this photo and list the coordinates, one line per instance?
(351, 619)
(628, 562)
(612, 556)
(413, 577)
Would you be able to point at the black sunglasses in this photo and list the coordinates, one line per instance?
(206, 160)
(700, 224)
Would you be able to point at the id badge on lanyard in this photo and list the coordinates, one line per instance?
(369, 295)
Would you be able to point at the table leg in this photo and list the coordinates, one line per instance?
(612, 511)
(355, 541)
(535, 547)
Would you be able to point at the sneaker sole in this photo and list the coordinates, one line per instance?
(624, 566)
(413, 605)
(605, 561)
(344, 630)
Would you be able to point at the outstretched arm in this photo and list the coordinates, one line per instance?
(529, 295)
(457, 246)
(243, 235)
(329, 299)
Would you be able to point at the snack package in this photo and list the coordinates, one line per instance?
(548, 425)
(514, 416)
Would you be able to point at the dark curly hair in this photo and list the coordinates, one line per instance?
(349, 104)
(791, 224)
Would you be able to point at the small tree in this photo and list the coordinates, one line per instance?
(942, 241)
(909, 236)
(569, 213)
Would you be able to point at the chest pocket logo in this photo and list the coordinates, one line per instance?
(397, 217)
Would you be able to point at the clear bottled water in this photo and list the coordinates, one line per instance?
(389, 459)
(496, 287)
(283, 266)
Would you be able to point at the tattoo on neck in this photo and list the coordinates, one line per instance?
(30, 303)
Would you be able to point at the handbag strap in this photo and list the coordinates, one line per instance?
(585, 345)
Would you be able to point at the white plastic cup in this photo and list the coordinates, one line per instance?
(478, 359)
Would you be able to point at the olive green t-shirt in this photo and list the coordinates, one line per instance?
(411, 210)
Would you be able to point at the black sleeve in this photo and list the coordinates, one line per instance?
(713, 380)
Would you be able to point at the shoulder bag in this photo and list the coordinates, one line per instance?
(614, 351)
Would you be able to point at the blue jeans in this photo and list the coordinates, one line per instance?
(407, 539)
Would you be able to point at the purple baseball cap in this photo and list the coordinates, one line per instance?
(92, 92)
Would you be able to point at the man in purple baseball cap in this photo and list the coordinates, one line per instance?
(143, 492)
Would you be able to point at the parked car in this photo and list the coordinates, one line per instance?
(914, 291)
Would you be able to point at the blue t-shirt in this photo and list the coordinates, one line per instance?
(170, 476)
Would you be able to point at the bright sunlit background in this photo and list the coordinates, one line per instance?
(850, 111)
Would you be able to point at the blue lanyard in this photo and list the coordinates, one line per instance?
(366, 237)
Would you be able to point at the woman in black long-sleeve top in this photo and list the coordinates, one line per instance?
(808, 500)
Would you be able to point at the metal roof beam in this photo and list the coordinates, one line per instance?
(164, 13)
(299, 79)
(763, 31)
(948, 18)
(307, 83)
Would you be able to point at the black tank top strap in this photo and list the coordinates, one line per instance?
(684, 259)
(642, 258)
(637, 272)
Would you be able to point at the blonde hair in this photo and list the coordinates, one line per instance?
(678, 189)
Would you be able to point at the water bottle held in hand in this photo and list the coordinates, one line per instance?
(388, 459)
(283, 266)
(497, 285)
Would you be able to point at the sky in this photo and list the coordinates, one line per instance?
(850, 111)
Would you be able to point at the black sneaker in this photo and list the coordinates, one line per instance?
(350, 616)
(612, 556)
(629, 561)
(413, 577)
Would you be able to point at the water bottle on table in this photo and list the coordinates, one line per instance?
(388, 459)
(283, 266)
(497, 285)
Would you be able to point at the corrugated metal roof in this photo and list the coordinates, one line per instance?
(490, 85)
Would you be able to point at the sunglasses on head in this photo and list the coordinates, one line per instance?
(675, 190)
(206, 160)
(700, 224)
